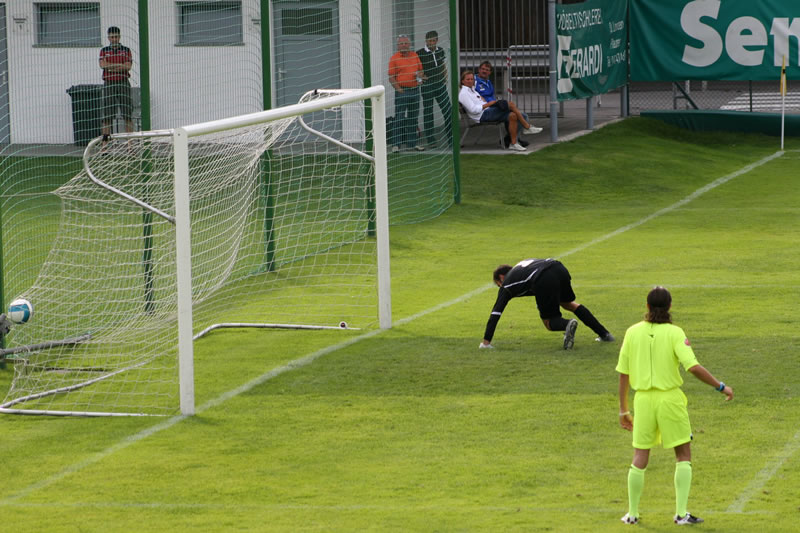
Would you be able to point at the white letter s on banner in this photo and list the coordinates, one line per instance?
(690, 22)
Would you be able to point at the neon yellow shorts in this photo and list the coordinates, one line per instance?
(660, 416)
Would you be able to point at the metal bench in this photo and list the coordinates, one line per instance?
(468, 124)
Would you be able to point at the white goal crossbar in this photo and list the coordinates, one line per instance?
(276, 212)
(181, 139)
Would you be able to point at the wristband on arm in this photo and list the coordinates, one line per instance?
(721, 387)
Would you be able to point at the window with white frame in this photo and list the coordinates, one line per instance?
(73, 24)
(207, 23)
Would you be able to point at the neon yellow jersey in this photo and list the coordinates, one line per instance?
(651, 354)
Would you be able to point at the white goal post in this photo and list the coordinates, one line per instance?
(267, 220)
(182, 209)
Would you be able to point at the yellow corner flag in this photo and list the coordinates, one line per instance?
(783, 77)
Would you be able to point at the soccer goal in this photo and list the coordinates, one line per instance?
(277, 219)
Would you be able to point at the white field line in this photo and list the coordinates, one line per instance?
(765, 474)
(680, 203)
(308, 359)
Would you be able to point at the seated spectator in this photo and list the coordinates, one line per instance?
(485, 87)
(479, 110)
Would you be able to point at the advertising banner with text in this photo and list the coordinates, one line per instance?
(591, 55)
(714, 40)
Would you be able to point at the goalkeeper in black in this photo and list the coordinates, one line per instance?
(549, 282)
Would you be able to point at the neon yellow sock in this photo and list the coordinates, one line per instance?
(635, 488)
(683, 483)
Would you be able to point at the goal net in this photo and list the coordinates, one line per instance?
(273, 219)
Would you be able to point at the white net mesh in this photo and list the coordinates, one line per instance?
(282, 225)
(191, 61)
(421, 116)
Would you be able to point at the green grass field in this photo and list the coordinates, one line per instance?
(415, 429)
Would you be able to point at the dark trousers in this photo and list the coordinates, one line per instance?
(117, 95)
(406, 116)
(438, 93)
(552, 287)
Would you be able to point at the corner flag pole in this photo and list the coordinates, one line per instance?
(783, 98)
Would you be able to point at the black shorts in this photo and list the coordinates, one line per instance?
(553, 287)
(117, 95)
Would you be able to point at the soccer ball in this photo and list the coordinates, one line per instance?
(20, 311)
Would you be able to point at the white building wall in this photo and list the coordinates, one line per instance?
(187, 83)
(40, 108)
(190, 84)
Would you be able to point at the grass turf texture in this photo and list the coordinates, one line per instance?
(415, 429)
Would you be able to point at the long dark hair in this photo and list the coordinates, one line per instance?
(659, 300)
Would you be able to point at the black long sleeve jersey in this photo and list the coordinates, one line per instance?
(518, 282)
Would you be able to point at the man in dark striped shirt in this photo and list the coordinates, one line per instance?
(549, 282)
(434, 87)
(116, 61)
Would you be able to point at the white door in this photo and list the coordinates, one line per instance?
(306, 47)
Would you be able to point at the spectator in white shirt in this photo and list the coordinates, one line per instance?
(479, 110)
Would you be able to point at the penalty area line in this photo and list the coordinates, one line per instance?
(310, 358)
(765, 475)
(680, 203)
(291, 365)
(166, 424)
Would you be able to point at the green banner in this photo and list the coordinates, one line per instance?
(714, 40)
(592, 57)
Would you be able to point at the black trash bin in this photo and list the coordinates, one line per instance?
(87, 112)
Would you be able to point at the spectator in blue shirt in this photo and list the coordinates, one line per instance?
(485, 87)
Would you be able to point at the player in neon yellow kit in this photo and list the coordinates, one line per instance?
(648, 362)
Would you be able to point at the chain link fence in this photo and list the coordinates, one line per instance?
(747, 96)
(513, 37)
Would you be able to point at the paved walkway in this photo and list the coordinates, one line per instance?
(572, 124)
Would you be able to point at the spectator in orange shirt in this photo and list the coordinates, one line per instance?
(405, 75)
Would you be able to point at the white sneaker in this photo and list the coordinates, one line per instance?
(687, 519)
(518, 147)
(532, 130)
(631, 520)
